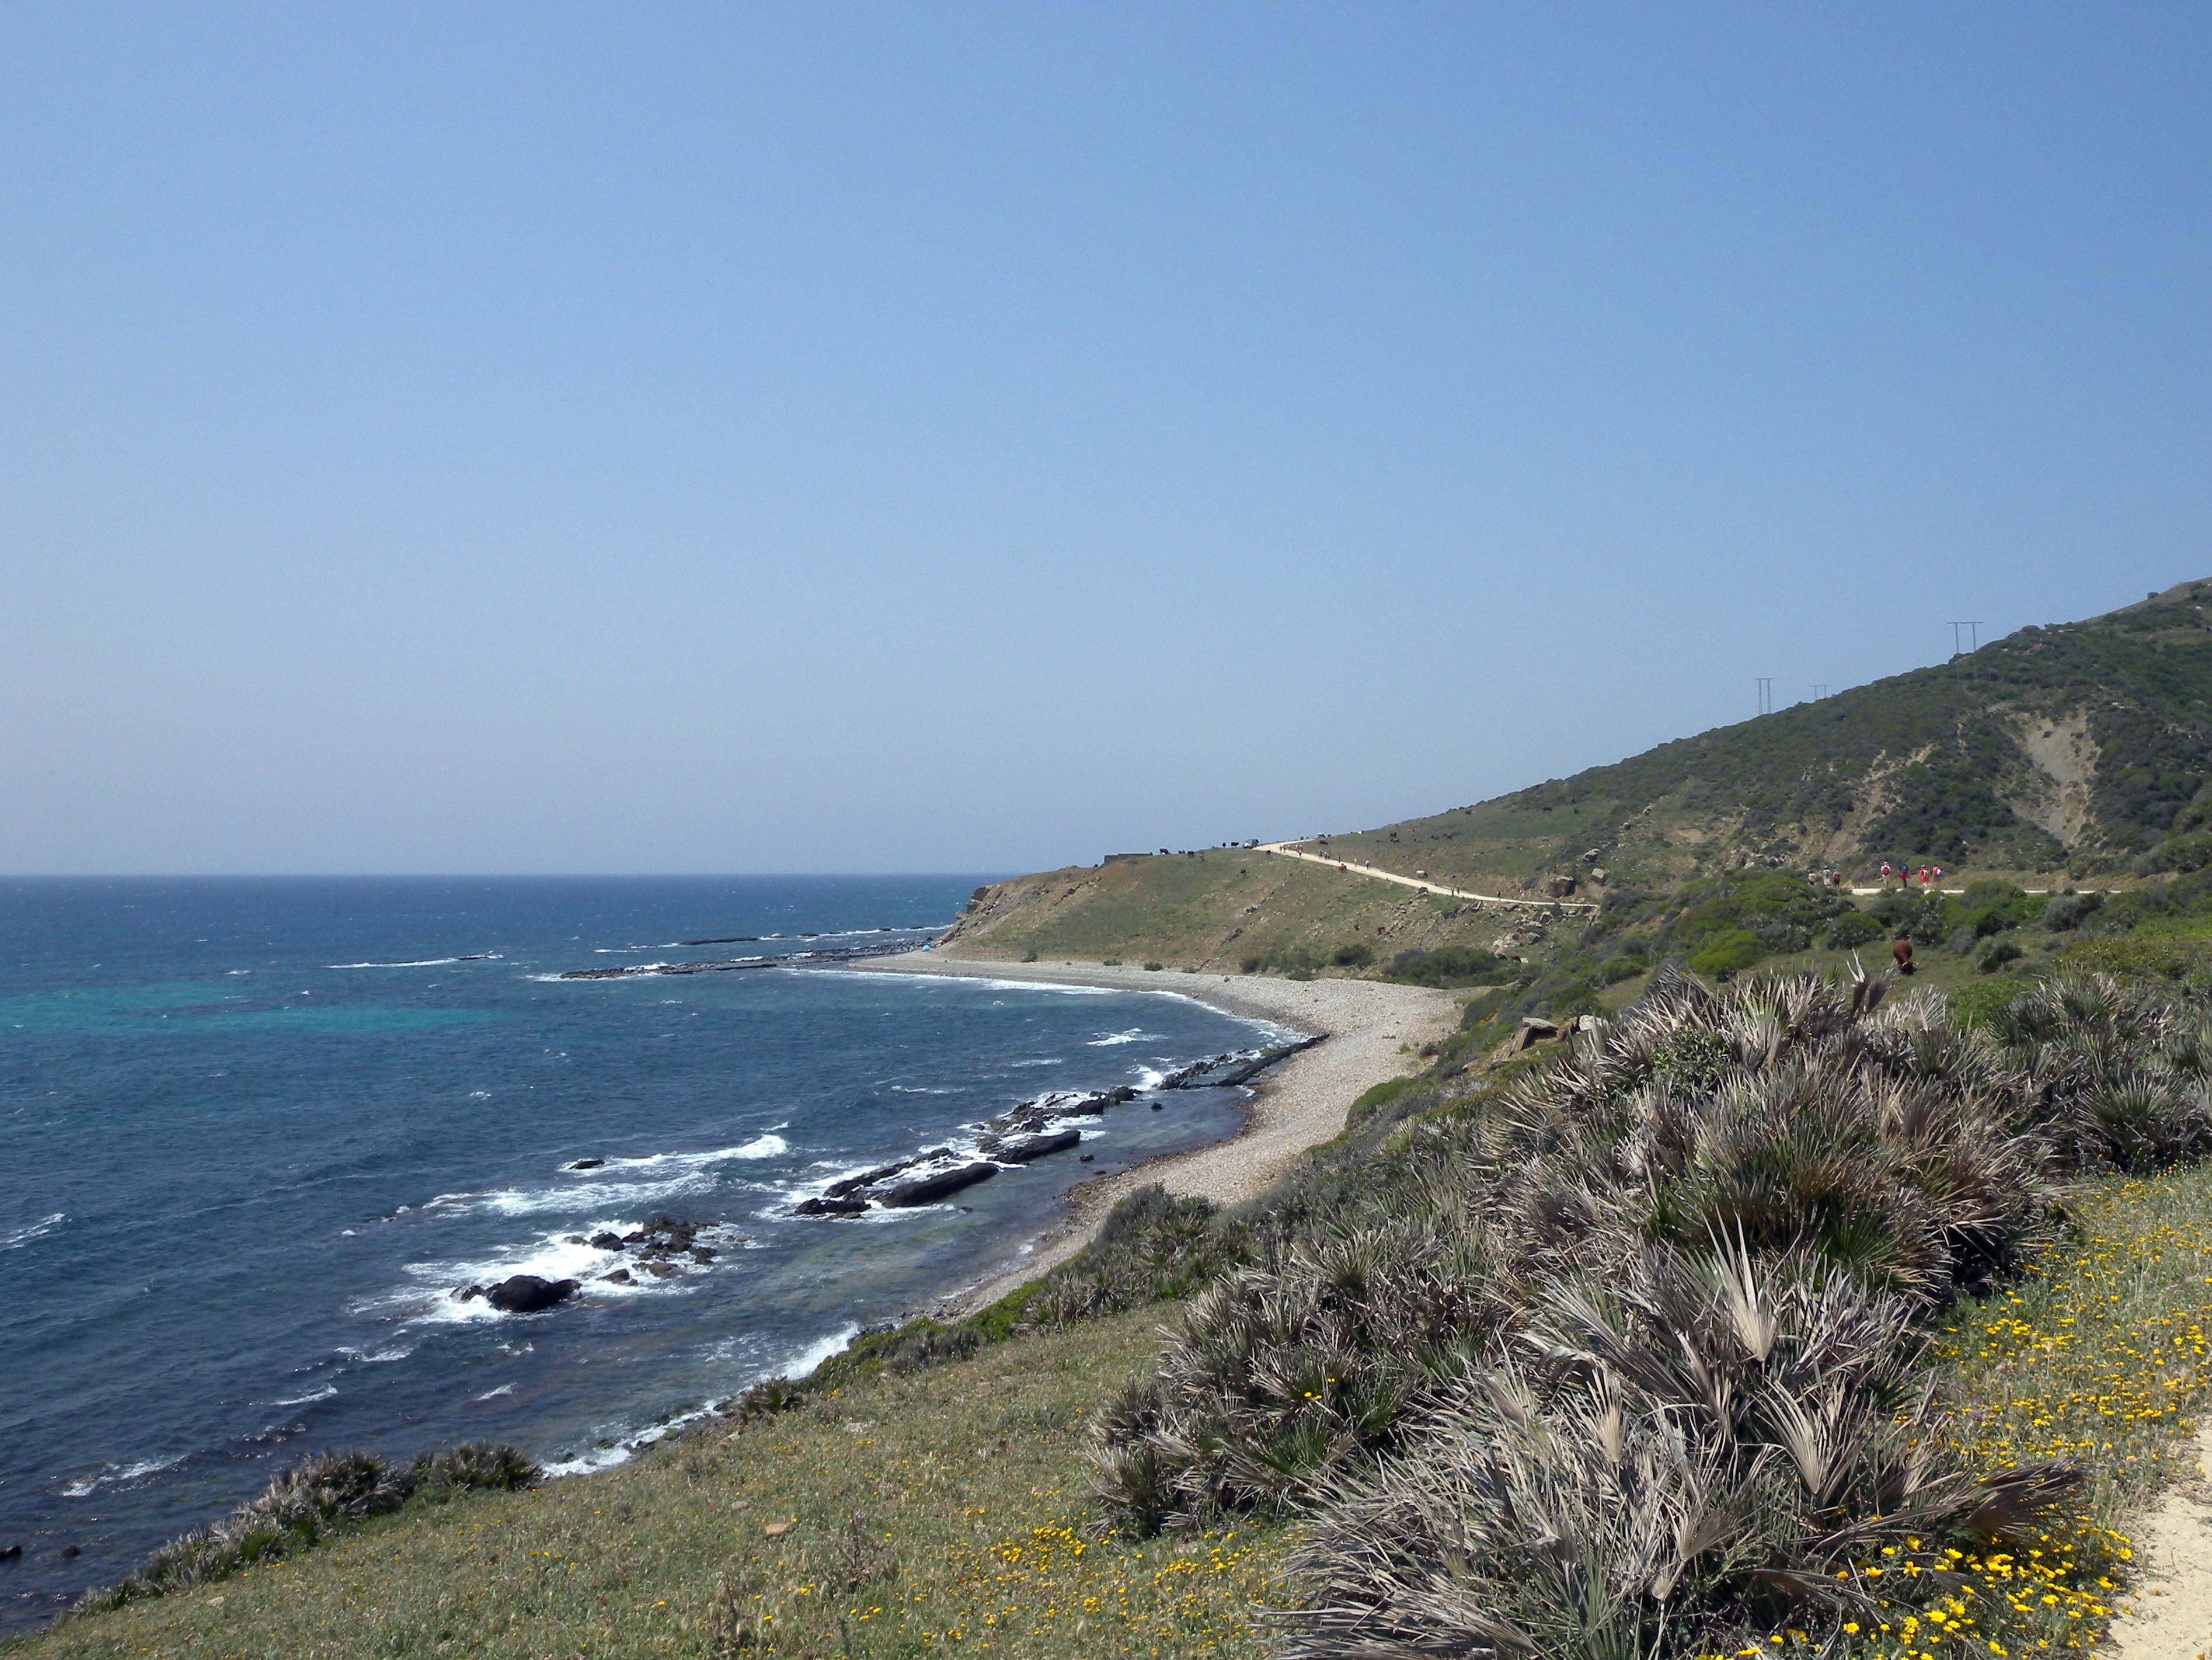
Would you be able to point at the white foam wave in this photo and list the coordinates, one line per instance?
(1106, 1041)
(796, 1365)
(115, 1476)
(322, 1394)
(494, 1395)
(381, 1357)
(425, 962)
(38, 1230)
(597, 1194)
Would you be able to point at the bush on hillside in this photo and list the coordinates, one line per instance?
(1853, 929)
(1452, 965)
(307, 1503)
(1573, 1313)
(1727, 953)
(2070, 911)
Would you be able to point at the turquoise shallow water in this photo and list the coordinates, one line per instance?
(254, 1133)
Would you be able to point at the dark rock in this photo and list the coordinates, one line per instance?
(930, 1189)
(835, 1205)
(660, 1270)
(702, 1254)
(13, 1553)
(606, 1242)
(1156, 1106)
(468, 1293)
(1023, 1149)
(620, 1276)
(634, 1238)
(852, 1184)
(527, 1293)
(587, 1163)
(72, 1551)
(1088, 1157)
(576, 1239)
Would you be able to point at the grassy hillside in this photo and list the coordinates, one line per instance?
(2054, 755)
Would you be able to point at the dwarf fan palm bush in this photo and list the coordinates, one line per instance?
(1628, 1355)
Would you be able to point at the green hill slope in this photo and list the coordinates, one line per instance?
(2060, 752)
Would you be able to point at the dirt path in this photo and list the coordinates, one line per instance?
(1288, 850)
(2170, 1616)
(1374, 1031)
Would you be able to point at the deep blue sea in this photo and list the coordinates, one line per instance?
(254, 1133)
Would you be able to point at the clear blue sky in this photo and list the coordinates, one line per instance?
(543, 438)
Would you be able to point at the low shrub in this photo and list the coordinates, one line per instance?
(1452, 965)
(306, 1505)
(2070, 911)
(1372, 1101)
(1996, 954)
(1728, 953)
(1852, 929)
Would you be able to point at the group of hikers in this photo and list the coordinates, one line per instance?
(1927, 876)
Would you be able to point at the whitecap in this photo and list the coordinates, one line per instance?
(322, 1394)
(1107, 1040)
(38, 1230)
(114, 1476)
(425, 962)
(796, 1365)
(494, 1395)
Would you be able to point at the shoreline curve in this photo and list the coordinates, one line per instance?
(1374, 1031)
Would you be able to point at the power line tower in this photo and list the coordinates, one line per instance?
(1819, 689)
(1765, 694)
(1973, 638)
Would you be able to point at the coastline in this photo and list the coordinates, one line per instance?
(1374, 1032)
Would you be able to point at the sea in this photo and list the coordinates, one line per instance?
(255, 1135)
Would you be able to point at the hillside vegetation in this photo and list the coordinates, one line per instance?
(2055, 754)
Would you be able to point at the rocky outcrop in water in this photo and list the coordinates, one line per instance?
(527, 1293)
(1036, 1130)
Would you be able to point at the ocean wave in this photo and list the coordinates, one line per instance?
(322, 1394)
(766, 1145)
(114, 1476)
(380, 1357)
(621, 1451)
(423, 963)
(1107, 1040)
(1055, 1060)
(597, 1196)
(428, 1296)
(38, 1230)
(494, 1395)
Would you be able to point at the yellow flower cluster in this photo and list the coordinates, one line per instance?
(2096, 1357)
(1098, 1593)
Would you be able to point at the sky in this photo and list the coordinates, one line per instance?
(543, 438)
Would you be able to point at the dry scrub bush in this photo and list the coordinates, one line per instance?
(1631, 1356)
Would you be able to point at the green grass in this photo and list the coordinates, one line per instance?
(972, 1536)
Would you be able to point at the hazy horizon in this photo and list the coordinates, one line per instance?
(552, 442)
